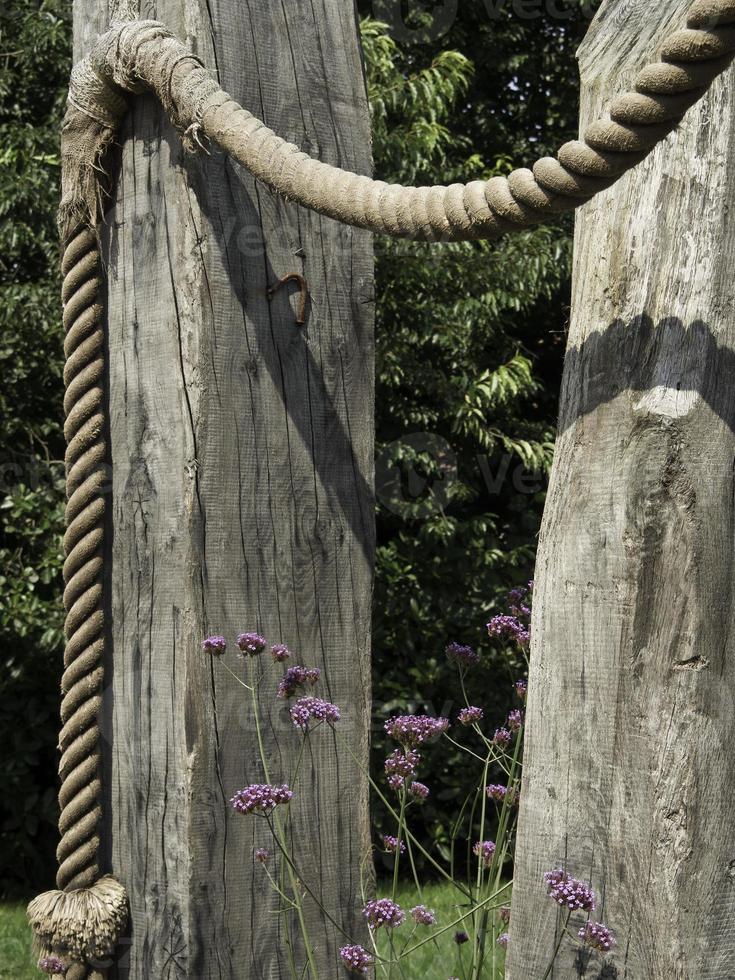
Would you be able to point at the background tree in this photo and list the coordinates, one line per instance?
(469, 348)
(34, 64)
(469, 341)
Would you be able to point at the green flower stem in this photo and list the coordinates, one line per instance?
(562, 933)
(480, 867)
(238, 679)
(435, 864)
(456, 922)
(276, 828)
(296, 875)
(463, 747)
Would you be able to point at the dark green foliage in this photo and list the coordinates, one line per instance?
(34, 58)
(469, 340)
(469, 345)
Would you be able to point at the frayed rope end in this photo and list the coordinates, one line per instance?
(84, 924)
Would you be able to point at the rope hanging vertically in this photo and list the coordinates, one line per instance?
(82, 921)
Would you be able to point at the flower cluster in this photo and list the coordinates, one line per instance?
(261, 854)
(392, 844)
(307, 708)
(383, 912)
(280, 652)
(521, 689)
(418, 791)
(461, 655)
(423, 916)
(403, 764)
(295, 678)
(52, 965)
(502, 737)
(251, 643)
(503, 940)
(496, 792)
(485, 849)
(356, 959)
(572, 893)
(515, 720)
(597, 936)
(216, 645)
(517, 600)
(261, 798)
(470, 715)
(510, 628)
(413, 730)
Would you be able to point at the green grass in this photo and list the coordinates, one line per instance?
(17, 961)
(435, 960)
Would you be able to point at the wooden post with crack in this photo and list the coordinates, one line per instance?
(241, 495)
(630, 774)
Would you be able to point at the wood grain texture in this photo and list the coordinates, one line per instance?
(629, 778)
(242, 496)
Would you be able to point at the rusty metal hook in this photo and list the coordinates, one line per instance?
(304, 287)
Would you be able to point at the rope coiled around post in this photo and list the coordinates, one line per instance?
(82, 921)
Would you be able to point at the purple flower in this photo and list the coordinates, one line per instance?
(216, 645)
(461, 655)
(504, 914)
(52, 964)
(383, 912)
(516, 596)
(305, 709)
(470, 716)
(280, 652)
(296, 677)
(418, 791)
(423, 916)
(395, 782)
(496, 792)
(261, 854)
(413, 730)
(502, 737)
(503, 940)
(355, 958)
(598, 936)
(260, 798)
(568, 891)
(392, 844)
(461, 937)
(521, 689)
(485, 849)
(251, 643)
(509, 627)
(515, 720)
(402, 763)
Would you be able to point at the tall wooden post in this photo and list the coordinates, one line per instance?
(242, 446)
(630, 762)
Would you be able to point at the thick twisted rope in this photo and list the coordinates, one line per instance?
(143, 54)
(83, 919)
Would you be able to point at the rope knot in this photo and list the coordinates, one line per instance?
(82, 925)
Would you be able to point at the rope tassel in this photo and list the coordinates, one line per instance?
(83, 925)
(83, 921)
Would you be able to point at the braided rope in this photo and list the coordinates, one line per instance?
(144, 53)
(86, 456)
(84, 919)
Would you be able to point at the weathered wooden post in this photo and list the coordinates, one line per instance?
(629, 778)
(242, 494)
